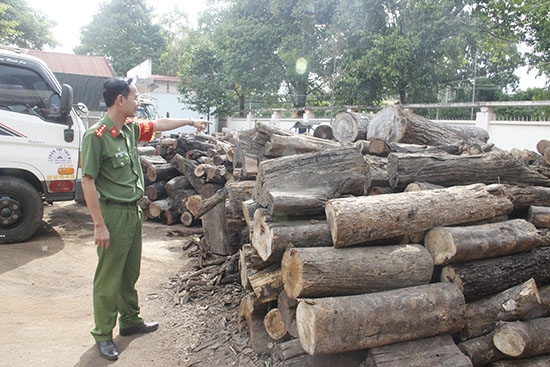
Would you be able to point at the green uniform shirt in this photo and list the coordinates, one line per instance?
(111, 158)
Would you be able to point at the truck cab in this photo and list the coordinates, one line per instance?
(40, 138)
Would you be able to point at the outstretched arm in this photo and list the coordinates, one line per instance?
(166, 124)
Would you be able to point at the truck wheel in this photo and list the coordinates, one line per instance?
(21, 210)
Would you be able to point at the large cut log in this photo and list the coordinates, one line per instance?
(481, 350)
(357, 220)
(523, 338)
(521, 302)
(440, 351)
(252, 313)
(319, 271)
(301, 184)
(443, 169)
(161, 172)
(271, 239)
(351, 126)
(337, 324)
(458, 244)
(216, 235)
(542, 361)
(539, 216)
(291, 354)
(395, 123)
(279, 145)
(383, 148)
(480, 278)
(524, 196)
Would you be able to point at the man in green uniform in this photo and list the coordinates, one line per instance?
(112, 183)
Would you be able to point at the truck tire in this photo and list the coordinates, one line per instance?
(21, 210)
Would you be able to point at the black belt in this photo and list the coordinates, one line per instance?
(117, 202)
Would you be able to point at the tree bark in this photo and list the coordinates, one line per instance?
(542, 361)
(525, 196)
(321, 272)
(156, 191)
(279, 145)
(361, 219)
(521, 302)
(480, 278)
(300, 185)
(176, 184)
(523, 338)
(459, 244)
(394, 123)
(451, 170)
(440, 351)
(336, 324)
(481, 350)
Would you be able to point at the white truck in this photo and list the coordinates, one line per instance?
(40, 137)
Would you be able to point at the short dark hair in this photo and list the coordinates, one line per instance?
(113, 87)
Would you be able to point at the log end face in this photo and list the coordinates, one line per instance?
(330, 213)
(305, 320)
(440, 244)
(509, 341)
(291, 268)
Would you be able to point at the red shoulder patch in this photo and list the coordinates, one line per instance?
(113, 132)
(100, 130)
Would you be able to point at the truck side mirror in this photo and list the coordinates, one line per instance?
(66, 99)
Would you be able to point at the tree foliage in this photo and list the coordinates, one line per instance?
(24, 27)
(123, 31)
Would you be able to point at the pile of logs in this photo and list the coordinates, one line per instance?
(413, 244)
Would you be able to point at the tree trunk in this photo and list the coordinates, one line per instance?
(300, 185)
(271, 239)
(521, 302)
(480, 278)
(322, 272)
(523, 338)
(452, 170)
(539, 216)
(336, 324)
(368, 218)
(274, 324)
(351, 126)
(440, 351)
(458, 244)
(395, 123)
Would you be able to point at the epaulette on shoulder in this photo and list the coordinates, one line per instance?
(100, 130)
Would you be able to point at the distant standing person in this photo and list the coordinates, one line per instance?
(112, 183)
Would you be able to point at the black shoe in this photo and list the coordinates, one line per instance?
(108, 350)
(144, 327)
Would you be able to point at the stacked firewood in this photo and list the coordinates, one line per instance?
(424, 246)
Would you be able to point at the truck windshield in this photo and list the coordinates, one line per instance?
(25, 91)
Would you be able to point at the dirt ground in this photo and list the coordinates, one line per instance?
(46, 306)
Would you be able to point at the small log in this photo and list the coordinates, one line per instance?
(274, 324)
(336, 324)
(180, 198)
(320, 272)
(267, 283)
(440, 351)
(539, 216)
(249, 168)
(480, 278)
(156, 191)
(458, 244)
(186, 167)
(249, 262)
(157, 207)
(523, 338)
(287, 309)
(542, 145)
(368, 218)
(161, 172)
(193, 203)
(525, 196)
(146, 150)
(188, 220)
(249, 208)
(211, 202)
(279, 145)
(150, 160)
(481, 350)
(237, 193)
(351, 126)
(323, 132)
(542, 361)
(176, 184)
(383, 148)
(521, 302)
(452, 170)
(170, 217)
(291, 354)
(271, 239)
(421, 186)
(252, 313)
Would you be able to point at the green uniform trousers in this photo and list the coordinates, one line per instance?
(117, 271)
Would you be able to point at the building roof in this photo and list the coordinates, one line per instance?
(75, 64)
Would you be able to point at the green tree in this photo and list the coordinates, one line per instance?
(122, 30)
(24, 27)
